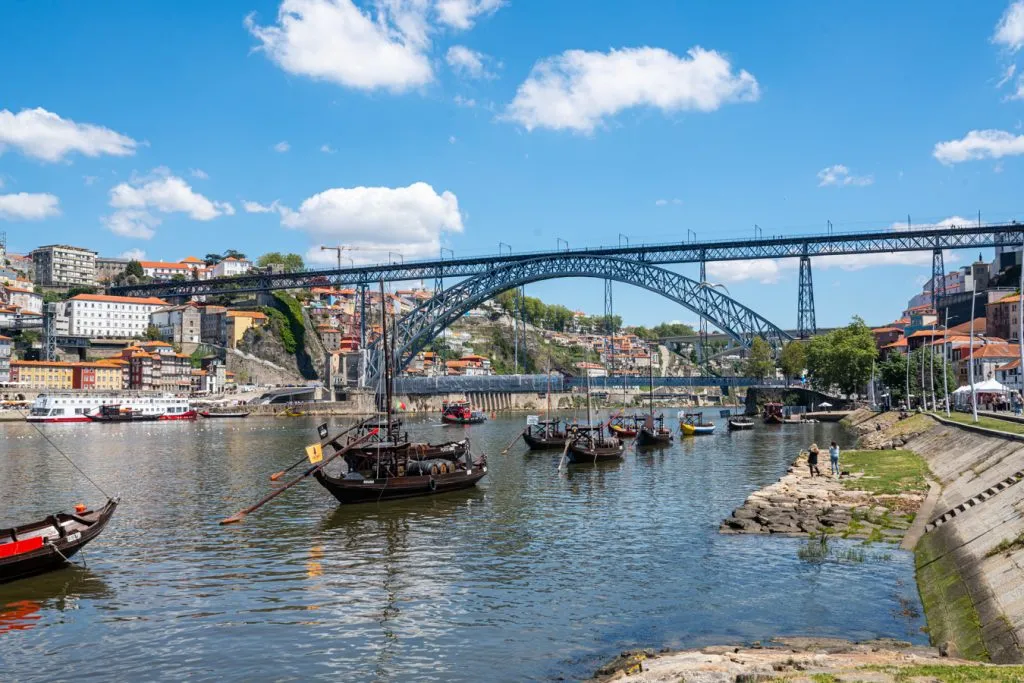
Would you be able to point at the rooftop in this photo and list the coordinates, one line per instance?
(151, 300)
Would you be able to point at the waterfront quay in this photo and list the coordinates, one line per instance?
(532, 575)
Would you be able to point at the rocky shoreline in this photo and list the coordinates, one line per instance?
(801, 660)
(799, 505)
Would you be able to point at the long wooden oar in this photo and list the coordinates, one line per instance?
(277, 475)
(564, 450)
(239, 516)
(514, 439)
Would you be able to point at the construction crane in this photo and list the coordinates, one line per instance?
(338, 249)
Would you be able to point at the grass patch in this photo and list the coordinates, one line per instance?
(1007, 546)
(824, 678)
(986, 422)
(948, 607)
(954, 674)
(885, 472)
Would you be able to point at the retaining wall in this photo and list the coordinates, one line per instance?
(968, 464)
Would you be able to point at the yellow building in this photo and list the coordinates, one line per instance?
(238, 322)
(39, 374)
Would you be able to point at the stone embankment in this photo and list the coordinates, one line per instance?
(799, 504)
(803, 660)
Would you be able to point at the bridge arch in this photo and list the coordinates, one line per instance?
(421, 325)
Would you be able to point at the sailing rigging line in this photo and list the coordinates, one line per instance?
(66, 457)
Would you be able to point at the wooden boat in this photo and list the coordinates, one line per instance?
(460, 412)
(740, 423)
(653, 431)
(693, 424)
(236, 414)
(114, 413)
(544, 435)
(771, 413)
(624, 426)
(391, 469)
(48, 544)
(589, 445)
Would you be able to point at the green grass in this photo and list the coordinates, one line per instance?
(1007, 545)
(955, 674)
(885, 472)
(952, 617)
(986, 422)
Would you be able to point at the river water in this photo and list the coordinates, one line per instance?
(532, 576)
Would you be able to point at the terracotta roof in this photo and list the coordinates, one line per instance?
(880, 330)
(928, 333)
(997, 351)
(1012, 365)
(20, 290)
(38, 363)
(898, 344)
(965, 328)
(164, 264)
(193, 259)
(154, 343)
(255, 315)
(5, 338)
(151, 300)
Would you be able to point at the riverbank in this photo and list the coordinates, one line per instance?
(804, 660)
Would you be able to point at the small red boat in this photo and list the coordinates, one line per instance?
(460, 412)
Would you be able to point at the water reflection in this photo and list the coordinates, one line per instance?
(22, 602)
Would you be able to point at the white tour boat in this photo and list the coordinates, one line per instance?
(78, 406)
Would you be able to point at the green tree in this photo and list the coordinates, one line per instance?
(178, 277)
(235, 254)
(893, 373)
(135, 268)
(290, 262)
(153, 333)
(212, 259)
(793, 359)
(759, 360)
(842, 358)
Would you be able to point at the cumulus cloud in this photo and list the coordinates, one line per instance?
(43, 135)
(327, 149)
(766, 271)
(256, 207)
(161, 192)
(840, 176)
(199, 173)
(1010, 29)
(282, 147)
(377, 220)
(464, 101)
(979, 144)
(666, 202)
(25, 206)
(133, 254)
(578, 90)
(467, 63)
(334, 40)
(461, 14)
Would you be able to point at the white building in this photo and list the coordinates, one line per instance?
(25, 299)
(117, 317)
(231, 266)
(63, 266)
(1009, 375)
(5, 359)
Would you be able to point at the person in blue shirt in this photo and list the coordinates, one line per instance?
(833, 456)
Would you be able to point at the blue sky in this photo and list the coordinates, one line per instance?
(404, 125)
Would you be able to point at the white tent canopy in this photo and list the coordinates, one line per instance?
(990, 386)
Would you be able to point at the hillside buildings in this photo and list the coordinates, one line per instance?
(110, 317)
(60, 266)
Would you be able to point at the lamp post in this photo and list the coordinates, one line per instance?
(974, 396)
(502, 244)
(945, 345)
(908, 376)
(558, 242)
(1020, 318)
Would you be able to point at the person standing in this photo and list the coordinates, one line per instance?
(833, 456)
(812, 460)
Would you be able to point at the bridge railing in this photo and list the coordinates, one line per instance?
(518, 384)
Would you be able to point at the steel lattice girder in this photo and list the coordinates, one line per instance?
(418, 327)
(884, 241)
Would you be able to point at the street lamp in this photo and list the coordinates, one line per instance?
(395, 253)
(558, 241)
(502, 244)
(691, 232)
(338, 249)
(623, 237)
(758, 232)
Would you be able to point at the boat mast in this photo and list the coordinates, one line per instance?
(589, 423)
(387, 363)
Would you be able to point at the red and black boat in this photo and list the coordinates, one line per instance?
(772, 414)
(461, 413)
(48, 544)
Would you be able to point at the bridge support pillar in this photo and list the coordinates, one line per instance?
(806, 325)
(938, 278)
(702, 347)
(50, 332)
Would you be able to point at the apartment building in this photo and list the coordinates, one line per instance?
(180, 325)
(5, 359)
(61, 266)
(23, 298)
(108, 268)
(99, 376)
(111, 317)
(231, 266)
(39, 374)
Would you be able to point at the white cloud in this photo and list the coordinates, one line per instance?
(375, 220)
(1007, 75)
(839, 175)
(327, 149)
(460, 14)
(578, 90)
(46, 136)
(89, 179)
(334, 40)
(199, 173)
(25, 206)
(467, 63)
(464, 101)
(666, 202)
(282, 147)
(160, 191)
(766, 271)
(256, 207)
(1010, 29)
(133, 254)
(979, 144)
(132, 223)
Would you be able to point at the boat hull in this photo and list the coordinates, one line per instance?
(223, 415)
(353, 491)
(735, 426)
(19, 560)
(696, 430)
(462, 420)
(108, 419)
(653, 438)
(622, 432)
(581, 455)
(543, 444)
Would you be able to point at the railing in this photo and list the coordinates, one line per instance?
(521, 384)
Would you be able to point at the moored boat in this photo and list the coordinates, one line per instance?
(740, 423)
(461, 412)
(48, 544)
(693, 424)
(225, 414)
(624, 426)
(544, 435)
(116, 413)
(79, 406)
(590, 445)
(653, 431)
(771, 413)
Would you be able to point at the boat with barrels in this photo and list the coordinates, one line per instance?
(772, 413)
(544, 435)
(590, 445)
(48, 544)
(653, 431)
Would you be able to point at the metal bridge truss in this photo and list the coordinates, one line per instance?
(883, 241)
(417, 328)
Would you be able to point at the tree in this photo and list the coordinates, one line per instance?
(232, 253)
(793, 359)
(893, 373)
(759, 360)
(289, 262)
(842, 358)
(135, 268)
(178, 277)
(153, 333)
(212, 259)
